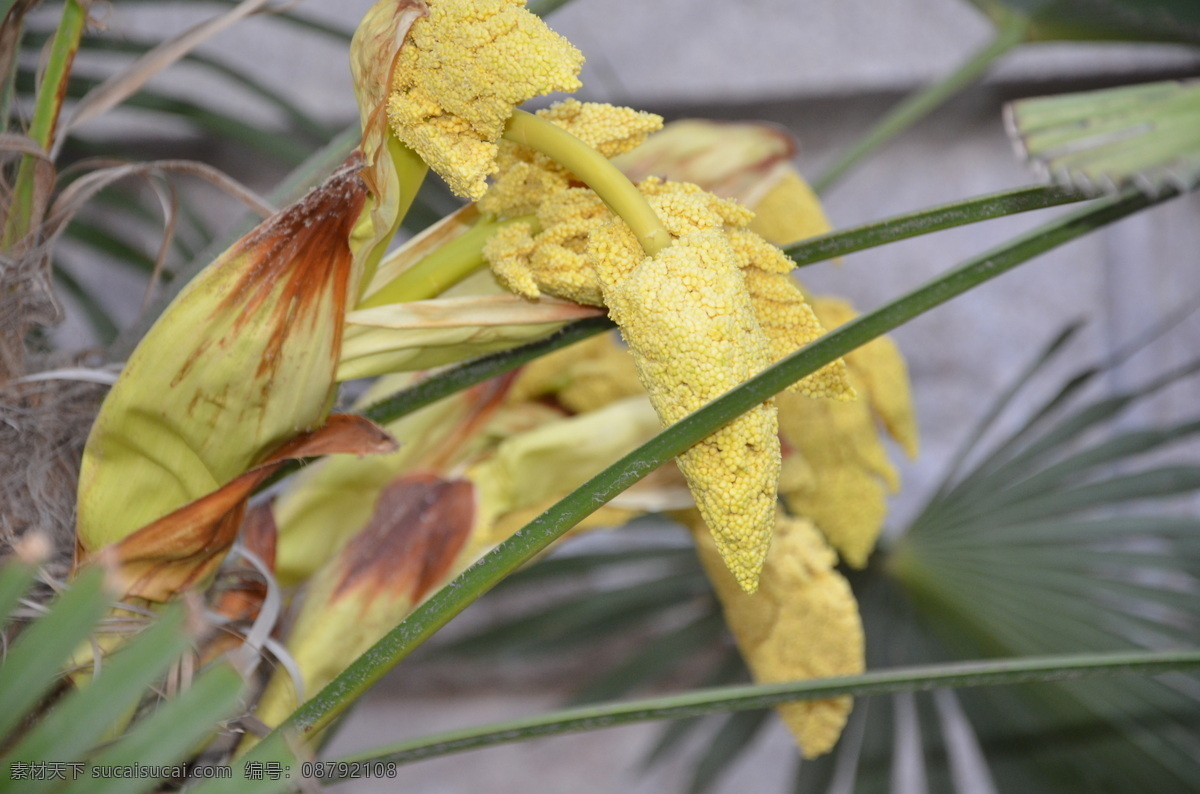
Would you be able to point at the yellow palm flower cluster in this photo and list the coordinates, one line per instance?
(707, 313)
(802, 623)
(847, 473)
(459, 75)
(553, 261)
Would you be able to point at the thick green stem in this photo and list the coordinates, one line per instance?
(913, 109)
(23, 212)
(934, 219)
(595, 171)
(745, 698)
(552, 524)
(443, 267)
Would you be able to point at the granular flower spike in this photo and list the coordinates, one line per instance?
(463, 68)
(708, 342)
(803, 623)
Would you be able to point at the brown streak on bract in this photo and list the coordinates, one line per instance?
(420, 524)
(243, 597)
(306, 247)
(485, 398)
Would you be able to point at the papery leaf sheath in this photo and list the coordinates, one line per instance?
(187, 545)
(242, 360)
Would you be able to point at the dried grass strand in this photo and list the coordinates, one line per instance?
(126, 82)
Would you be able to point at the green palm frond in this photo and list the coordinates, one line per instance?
(1102, 141)
(48, 723)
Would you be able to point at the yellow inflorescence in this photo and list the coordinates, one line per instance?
(880, 367)
(690, 326)
(459, 76)
(693, 333)
(554, 261)
(527, 178)
(846, 496)
(710, 311)
(783, 314)
(803, 623)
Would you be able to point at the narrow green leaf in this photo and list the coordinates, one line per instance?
(933, 219)
(82, 719)
(744, 698)
(731, 670)
(54, 74)
(548, 527)
(41, 651)
(168, 736)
